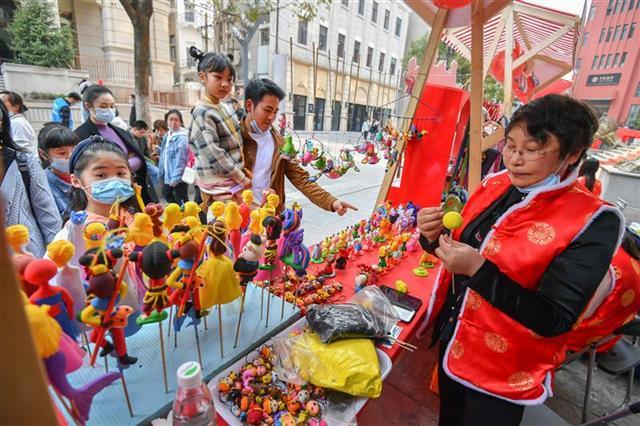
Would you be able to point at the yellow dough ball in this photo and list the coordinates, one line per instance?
(452, 220)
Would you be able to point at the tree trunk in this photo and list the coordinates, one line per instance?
(139, 12)
(244, 54)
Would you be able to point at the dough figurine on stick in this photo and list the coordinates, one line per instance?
(247, 268)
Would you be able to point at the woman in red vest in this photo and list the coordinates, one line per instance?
(517, 275)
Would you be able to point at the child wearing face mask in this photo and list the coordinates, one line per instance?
(55, 144)
(100, 103)
(214, 135)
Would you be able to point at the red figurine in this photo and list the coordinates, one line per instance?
(38, 273)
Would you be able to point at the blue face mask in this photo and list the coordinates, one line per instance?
(553, 179)
(60, 164)
(108, 191)
(105, 115)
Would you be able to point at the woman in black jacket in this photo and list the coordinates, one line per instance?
(99, 101)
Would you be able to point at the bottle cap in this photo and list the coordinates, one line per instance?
(189, 375)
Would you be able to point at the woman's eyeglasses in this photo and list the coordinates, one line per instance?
(527, 154)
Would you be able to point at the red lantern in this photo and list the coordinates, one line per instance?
(451, 4)
(497, 66)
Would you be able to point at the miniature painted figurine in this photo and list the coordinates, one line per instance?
(249, 260)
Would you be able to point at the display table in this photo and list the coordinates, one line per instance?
(145, 380)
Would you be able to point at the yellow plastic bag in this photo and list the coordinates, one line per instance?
(350, 366)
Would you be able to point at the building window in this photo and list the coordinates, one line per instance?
(264, 37)
(609, 7)
(392, 67)
(624, 3)
(616, 57)
(322, 38)
(398, 27)
(592, 12)
(369, 56)
(595, 62)
(615, 8)
(578, 64)
(341, 41)
(601, 62)
(637, 90)
(623, 33)
(616, 34)
(387, 18)
(608, 63)
(623, 59)
(374, 12)
(633, 119)
(189, 12)
(345, 3)
(602, 34)
(609, 32)
(585, 38)
(356, 52)
(632, 29)
(631, 4)
(302, 32)
(172, 48)
(381, 62)
(361, 7)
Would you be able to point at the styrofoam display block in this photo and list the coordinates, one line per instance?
(144, 379)
(224, 411)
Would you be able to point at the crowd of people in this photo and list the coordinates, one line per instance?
(87, 166)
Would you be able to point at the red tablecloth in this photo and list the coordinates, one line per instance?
(418, 287)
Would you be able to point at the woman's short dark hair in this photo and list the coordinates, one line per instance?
(94, 92)
(173, 111)
(212, 62)
(16, 100)
(56, 135)
(258, 88)
(572, 122)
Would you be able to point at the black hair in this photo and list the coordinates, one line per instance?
(94, 92)
(588, 169)
(75, 96)
(233, 101)
(16, 100)
(96, 150)
(630, 244)
(212, 62)
(572, 122)
(160, 124)
(172, 111)
(55, 135)
(6, 141)
(140, 125)
(258, 88)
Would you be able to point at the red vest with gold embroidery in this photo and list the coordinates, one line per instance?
(618, 308)
(489, 351)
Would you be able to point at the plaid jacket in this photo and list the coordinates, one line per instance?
(215, 139)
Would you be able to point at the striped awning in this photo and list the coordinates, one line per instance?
(534, 26)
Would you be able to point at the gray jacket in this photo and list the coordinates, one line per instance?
(14, 198)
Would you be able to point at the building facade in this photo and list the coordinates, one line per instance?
(355, 71)
(608, 60)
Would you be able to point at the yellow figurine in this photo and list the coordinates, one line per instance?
(247, 197)
(255, 224)
(94, 232)
(233, 220)
(17, 237)
(172, 216)
(191, 208)
(141, 230)
(220, 282)
(217, 209)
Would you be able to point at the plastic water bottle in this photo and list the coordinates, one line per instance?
(193, 405)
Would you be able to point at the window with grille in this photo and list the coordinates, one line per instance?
(369, 56)
(398, 27)
(381, 62)
(341, 42)
(374, 12)
(387, 18)
(322, 38)
(302, 32)
(356, 52)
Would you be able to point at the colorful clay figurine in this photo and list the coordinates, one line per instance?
(69, 277)
(316, 254)
(245, 208)
(39, 273)
(295, 253)
(101, 312)
(249, 260)
(273, 229)
(233, 220)
(155, 211)
(191, 209)
(94, 232)
(48, 339)
(20, 262)
(186, 285)
(156, 261)
(328, 271)
(288, 149)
